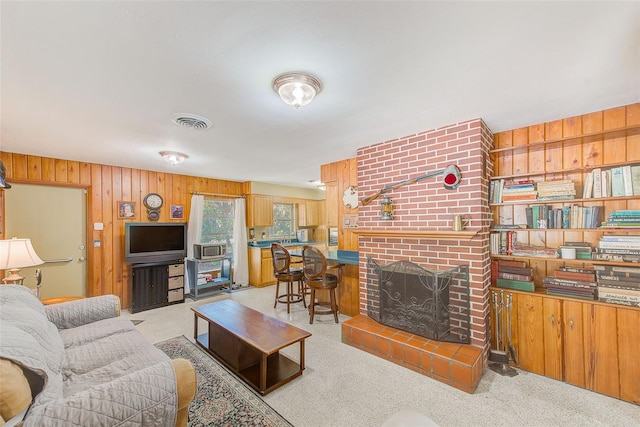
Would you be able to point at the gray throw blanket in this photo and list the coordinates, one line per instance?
(97, 370)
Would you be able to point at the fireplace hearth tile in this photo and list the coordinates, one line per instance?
(459, 365)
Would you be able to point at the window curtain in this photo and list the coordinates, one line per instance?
(194, 233)
(240, 256)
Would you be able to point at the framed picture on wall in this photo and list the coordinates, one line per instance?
(126, 210)
(177, 212)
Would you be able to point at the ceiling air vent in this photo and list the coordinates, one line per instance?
(191, 121)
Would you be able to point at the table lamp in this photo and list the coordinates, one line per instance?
(16, 254)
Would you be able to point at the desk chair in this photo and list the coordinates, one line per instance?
(284, 273)
(316, 278)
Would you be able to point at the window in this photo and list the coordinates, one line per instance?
(283, 220)
(217, 223)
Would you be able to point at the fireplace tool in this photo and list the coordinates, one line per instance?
(500, 356)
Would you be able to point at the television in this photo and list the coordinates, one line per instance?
(153, 242)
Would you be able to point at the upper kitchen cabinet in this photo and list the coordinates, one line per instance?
(259, 211)
(309, 213)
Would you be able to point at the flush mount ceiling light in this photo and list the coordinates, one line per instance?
(173, 157)
(191, 121)
(297, 89)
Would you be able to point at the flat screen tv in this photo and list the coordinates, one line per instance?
(149, 242)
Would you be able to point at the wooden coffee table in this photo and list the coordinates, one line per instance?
(249, 343)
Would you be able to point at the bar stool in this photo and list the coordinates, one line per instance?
(316, 277)
(284, 273)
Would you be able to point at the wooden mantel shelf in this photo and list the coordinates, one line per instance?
(423, 234)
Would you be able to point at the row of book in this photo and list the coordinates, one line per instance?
(618, 181)
(572, 282)
(544, 216)
(623, 219)
(618, 248)
(511, 274)
(618, 285)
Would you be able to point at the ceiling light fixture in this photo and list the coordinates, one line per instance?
(173, 157)
(297, 89)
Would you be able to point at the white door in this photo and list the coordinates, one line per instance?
(54, 218)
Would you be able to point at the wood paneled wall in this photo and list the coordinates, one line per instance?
(343, 174)
(107, 273)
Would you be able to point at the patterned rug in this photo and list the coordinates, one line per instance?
(221, 399)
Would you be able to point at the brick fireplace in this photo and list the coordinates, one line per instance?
(421, 233)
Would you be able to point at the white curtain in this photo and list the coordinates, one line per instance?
(240, 255)
(194, 233)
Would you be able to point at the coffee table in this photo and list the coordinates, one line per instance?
(249, 343)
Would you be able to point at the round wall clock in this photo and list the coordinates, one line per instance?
(350, 197)
(153, 201)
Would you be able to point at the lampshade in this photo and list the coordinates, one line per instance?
(173, 157)
(16, 254)
(297, 89)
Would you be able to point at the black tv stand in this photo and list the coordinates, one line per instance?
(156, 284)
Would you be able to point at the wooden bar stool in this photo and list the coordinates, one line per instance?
(284, 273)
(316, 278)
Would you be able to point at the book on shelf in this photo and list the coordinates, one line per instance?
(617, 251)
(626, 177)
(635, 179)
(614, 257)
(513, 276)
(606, 244)
(523, 271)
(512, 263)
(618, 301)
(587, 188)
(625, 294)
(619, 282)
(520, 285)
(617, 182)
(572, 275)
(566, 217)
(597, 182)
(553, 281)
(559, 293)
(606, 183)
(614, 270)
(625, 212)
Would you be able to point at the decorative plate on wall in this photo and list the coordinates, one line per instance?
(350, 197)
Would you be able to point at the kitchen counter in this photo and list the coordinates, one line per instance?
(339, 256)
(265, 244)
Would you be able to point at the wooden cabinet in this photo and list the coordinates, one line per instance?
(585, 343)
(260, 267)
(308, 213)
(332, 203)
(149, 286)
(259, 211)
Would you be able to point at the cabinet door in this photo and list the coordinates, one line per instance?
(260, 212)
(573, 333)
(150, 286)
(601, 349)
(552, 338)
(530, 329)
(332, 203)
(302, 214)
(312, 212)
(628, 339)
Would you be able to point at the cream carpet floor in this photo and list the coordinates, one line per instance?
(344, 386)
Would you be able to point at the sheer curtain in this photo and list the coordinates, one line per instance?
(240, 256)
(194, 233)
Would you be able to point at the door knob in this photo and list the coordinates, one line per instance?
(81, 259)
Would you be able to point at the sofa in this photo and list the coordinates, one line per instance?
(79, 364)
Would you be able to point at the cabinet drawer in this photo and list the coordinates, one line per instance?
(176, 295)
(176, 282)
(265, 253)
(176, 269)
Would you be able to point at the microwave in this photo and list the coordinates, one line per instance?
(206, 251)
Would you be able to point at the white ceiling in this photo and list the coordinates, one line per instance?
(99, 81)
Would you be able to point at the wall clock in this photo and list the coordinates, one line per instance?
(350, 197)
(153, 202)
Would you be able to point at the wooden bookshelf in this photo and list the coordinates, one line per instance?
(584, 343)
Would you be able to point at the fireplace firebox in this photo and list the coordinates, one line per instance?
(431, 303)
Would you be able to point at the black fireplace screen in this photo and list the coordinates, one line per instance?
(431, 303)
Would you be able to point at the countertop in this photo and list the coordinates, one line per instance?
(339, 256)
(265, 244)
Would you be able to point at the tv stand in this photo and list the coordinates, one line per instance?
(223, 283)
(156, 284)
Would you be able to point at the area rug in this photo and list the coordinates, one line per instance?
(221, 399)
